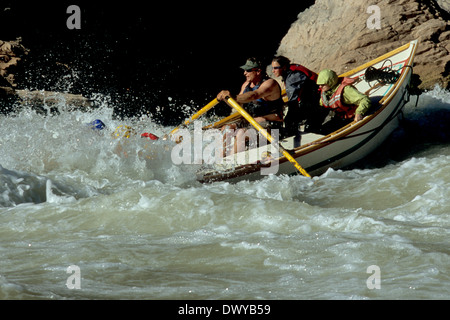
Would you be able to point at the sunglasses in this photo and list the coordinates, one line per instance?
(277, 68)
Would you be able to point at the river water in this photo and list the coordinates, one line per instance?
(80, 219)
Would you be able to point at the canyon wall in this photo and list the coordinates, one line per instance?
(341, 35)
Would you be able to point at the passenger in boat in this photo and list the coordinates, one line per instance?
(347, 104)
(260, 97)
(303, 94)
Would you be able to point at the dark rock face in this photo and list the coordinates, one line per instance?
(11, 54)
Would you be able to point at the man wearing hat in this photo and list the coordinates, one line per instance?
(260, 96)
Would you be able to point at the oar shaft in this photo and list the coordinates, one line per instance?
(203, 110)
(264, 132)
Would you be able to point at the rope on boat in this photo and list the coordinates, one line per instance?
(383, 74)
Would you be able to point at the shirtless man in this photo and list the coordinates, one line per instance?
(260, 97)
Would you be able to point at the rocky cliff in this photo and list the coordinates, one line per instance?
(12, 54)
(344, 34)
(329, 34)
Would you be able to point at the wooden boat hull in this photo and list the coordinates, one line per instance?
(341, 148)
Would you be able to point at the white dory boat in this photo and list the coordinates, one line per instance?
(314, 153)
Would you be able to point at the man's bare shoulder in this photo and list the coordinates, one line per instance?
(244, 85)
(270, 83)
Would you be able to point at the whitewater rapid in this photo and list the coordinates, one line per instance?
(139, 227)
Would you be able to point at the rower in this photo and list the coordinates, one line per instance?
(260, 97)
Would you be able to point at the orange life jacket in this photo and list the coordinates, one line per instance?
(335, 102)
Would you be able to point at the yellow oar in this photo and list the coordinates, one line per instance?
(232, 103)
(206, 108)
(230, 119)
